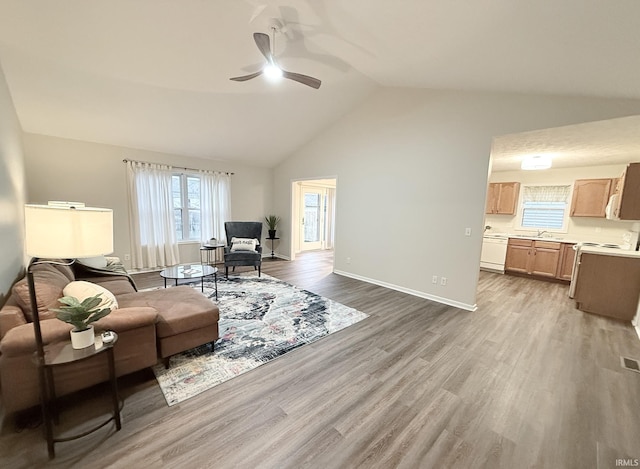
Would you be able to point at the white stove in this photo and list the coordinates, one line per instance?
(597, 245)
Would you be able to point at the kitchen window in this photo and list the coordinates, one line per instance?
(545, 207)
(185, 192)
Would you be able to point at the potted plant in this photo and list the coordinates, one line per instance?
(80, 315)
(272, 223)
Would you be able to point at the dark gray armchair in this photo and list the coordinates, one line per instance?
(242, 229)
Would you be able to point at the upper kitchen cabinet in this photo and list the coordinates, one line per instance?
(502, 198)
(627, 205)
(590, 197)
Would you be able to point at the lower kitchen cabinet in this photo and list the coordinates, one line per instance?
(567, 259)
(608, 285)
(546, 256)
(539, 258)
(518, 256)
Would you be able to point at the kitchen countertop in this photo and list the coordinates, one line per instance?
(598, 247)
(557, 239)
(609, 251)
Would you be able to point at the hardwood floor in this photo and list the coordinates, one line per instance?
(525, 381)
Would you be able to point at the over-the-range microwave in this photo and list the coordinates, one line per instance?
(610, 209)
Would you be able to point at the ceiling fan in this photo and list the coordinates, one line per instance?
(272, 70)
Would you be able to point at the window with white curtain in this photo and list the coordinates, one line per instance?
(545, 207)
(185, 192)
(166, 207)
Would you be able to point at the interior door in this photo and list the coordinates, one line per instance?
(312, 218)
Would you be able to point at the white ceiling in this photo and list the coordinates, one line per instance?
(613, 141)
(154, 74)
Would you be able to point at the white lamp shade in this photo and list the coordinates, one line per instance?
(66, 232)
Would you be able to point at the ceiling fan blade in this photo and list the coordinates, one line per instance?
(262, 41)
(247, 77)
(304, 79)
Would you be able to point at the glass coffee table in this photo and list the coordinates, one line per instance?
(191, 272)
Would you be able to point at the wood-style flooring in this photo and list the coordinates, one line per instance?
(525, 381)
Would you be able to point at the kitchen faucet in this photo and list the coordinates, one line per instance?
(540, 233)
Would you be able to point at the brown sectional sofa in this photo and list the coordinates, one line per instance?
(150, 325)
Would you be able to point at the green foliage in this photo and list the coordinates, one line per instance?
(78, 314)
(272, 221)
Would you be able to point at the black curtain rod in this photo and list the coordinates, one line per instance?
(177, 167)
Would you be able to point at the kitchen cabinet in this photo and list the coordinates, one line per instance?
(628, 191)
(567, 258)
(608, 285)
(502, 198)
(518, 256)
(546, 256)
(526, 256)
(590, 197)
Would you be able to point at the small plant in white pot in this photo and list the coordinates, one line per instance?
(80, 315)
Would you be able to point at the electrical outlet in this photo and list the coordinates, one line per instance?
(443, 281)
(467, 231)
(127, 257)
(434, 279)
(348, 260)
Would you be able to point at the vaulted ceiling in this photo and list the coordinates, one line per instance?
(154, 74)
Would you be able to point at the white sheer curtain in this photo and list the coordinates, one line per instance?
(151, 217)
(215, 204)
(546, 193)
(331, 218)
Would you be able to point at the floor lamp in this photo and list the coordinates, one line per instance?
(61, 231)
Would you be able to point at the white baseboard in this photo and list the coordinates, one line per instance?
(409, 291)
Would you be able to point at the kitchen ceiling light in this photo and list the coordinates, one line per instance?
(536, 162)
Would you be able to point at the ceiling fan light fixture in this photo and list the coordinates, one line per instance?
(272, 72)
(536, 162)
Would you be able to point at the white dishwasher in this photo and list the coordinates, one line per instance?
(494, 252)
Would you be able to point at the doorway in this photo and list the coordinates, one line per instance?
(313, 212)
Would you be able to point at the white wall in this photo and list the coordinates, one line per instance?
(12, 193)
(412, 168)
(93, 173)
(579, 228)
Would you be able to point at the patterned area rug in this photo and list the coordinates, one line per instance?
(260, 319)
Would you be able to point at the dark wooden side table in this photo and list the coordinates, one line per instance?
(273, 255)
(62, 353)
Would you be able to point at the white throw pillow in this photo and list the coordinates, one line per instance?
(83, 290)
(97, 262)
(243, 244)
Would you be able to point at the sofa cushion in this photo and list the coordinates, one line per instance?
(49, 282)
(180, 309)
(242, 256)
(20, 340)
(115, 284)
(83, 290)
(64, 268)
